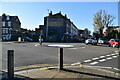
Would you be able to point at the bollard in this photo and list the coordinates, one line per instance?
(60, 59)
(10, 64)
(119, 62)
(118, 46)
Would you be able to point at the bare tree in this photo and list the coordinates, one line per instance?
(101, 20)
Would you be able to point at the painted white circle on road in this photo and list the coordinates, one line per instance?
(60, 46)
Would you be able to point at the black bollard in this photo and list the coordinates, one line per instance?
(60, 59)
(10, 64)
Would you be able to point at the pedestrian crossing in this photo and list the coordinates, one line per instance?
(99, 59)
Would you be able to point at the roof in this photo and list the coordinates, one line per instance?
(12, 18)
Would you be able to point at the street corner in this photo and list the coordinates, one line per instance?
(29, 67)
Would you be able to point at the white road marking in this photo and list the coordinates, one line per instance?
(87, 60)
(102, 60)
(94, 63)
(116, 53)
(115, 56)
(109, 58)
(76, 63)
(37, 44)
(95, 58)
(102, 56)
(61, 45)
(83, 47)
(108, 55)
(72, 48)
(97, 66)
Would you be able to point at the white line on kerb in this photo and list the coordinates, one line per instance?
(93, 63)
(102, 56)
(116, 69)
(109, 58)
(95, 58)
(102, 60)
(87, 60)
(76, 63)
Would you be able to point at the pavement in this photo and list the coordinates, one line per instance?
(50, 72)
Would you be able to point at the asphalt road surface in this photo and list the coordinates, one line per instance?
(100, 56)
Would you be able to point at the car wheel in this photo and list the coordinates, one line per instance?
(109, 45)
(113, 46)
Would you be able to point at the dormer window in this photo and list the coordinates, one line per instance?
(8, 17)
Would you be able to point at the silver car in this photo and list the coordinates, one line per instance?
(91, 41)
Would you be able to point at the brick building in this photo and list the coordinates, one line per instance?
(10, 25)
(59, 28)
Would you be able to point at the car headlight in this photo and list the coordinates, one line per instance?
(116, 43)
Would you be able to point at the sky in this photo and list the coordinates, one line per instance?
(31, 14)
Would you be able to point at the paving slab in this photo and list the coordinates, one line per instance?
(70, 73)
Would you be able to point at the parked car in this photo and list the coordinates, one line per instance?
(114, 42)
(91, 41)
(102, 41)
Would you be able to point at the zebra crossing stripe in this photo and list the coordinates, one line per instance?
(102, 60)
(115, 56)
(95, 58)
(94, 63)
(108, 55)
(116, 53)
(109, 58)
(87, 60)
(102, 56)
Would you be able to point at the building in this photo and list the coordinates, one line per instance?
(110, 28)
(10, 25)
(84, 33)
(59, 28)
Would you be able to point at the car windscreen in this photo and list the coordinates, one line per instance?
(117, 40)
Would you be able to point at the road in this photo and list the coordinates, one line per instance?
(100, 56)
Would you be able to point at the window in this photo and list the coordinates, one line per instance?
(3, 24)
(9, 24)
(5, 30)
(8, 18)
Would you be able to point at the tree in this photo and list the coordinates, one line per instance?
(101, 20)
(114, 34)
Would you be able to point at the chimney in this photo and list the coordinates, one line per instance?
(65, 16)
(59, 12)
(50, 14)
